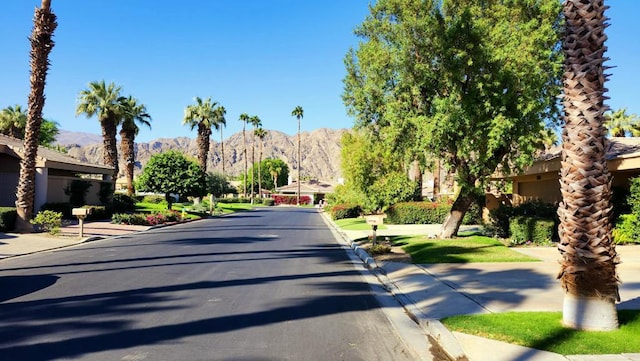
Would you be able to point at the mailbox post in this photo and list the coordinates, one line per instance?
(81, 213)
(374, 220)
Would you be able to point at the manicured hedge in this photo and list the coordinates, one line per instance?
(418, 213)
(531, 230)
(342, 211)
(8, 217)
(290, 200)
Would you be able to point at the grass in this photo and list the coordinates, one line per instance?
(543, 331)
(356, 224)
(467, 249)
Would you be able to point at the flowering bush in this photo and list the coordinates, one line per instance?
(290, 200)
(143, 219)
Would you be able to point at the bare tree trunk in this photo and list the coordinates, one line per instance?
(436, 179)
(44, 24)
(459, 208)
(222, 145)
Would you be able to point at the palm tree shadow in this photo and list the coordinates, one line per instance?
(16, 286)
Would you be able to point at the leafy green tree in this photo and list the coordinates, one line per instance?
(269, 172)
(172, 172)
(471, 82)
(218, 185)
(132, 115)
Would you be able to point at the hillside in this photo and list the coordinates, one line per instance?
(320, 151)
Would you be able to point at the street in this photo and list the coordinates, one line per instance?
(270, 284)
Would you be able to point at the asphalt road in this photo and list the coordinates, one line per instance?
(271, 284)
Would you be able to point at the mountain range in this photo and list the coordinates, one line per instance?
(320, 151)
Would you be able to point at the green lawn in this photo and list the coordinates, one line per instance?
(543, 331)
(356, 224)
(467, 249)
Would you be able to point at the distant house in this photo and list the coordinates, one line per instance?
(54, 172)
(315, 189)
(541, 180)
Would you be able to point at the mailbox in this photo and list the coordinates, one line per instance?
(81, 212)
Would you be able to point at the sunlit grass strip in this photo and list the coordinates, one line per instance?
(460, 250)
(356, 224)
(544, 331)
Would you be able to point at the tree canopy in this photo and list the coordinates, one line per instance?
(13, 122)
(172, 172)
(469, 82)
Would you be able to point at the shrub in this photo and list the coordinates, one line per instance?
(48, 221)
(268, 202)
(501, 216)
(98, 213)
(8, 217)
(627, 229)
(531, 230)
(418, 212)
(121, 203)
(155, 199)
(290, 200)
(64, 208)
(342, 211)
(634, 196)
(77, 191)
(380, 248)
(129, 218)
(234, 200)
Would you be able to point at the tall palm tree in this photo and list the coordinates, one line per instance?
(105, 102)
(244, 118)
(619, 123)
(298, 113)
(260, 133)
(589, 259)
(44, 24)
(201, 115)
(255, 122)
(220, 122)
(13, 121)
(133, 114)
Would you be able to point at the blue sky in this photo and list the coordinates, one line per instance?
(261, 57)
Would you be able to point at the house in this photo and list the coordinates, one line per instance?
(315, 189)
(541, 180)
(54, 172)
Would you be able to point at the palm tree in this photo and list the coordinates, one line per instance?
(255, 122)
(244, 118)
(13, 121)
(619, 123)
(298, 113)
(260, 133)
(220, 122)
(105, 102)
(201, 115)
(132, 113)
(589, 259)
(44, 24)
(274, 170)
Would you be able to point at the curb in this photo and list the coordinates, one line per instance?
(432, 327)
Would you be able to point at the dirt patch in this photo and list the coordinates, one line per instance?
(395, 254)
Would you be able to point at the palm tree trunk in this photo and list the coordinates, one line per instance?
(253, 166)
(299, 163)
(44, 24)
(260, 172)
(203, 143)
(246, 167)
(110, 145)
(588, 266)
(128, 138)
(222, 145)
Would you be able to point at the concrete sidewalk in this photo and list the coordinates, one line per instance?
(432, 292)
(18, 244)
